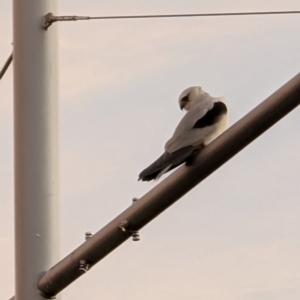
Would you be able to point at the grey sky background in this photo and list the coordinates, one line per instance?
(236, 235)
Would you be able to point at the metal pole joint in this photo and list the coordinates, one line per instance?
(49, 19)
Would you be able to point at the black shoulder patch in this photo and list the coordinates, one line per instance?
(212, 116)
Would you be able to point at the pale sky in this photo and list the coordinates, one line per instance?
(233, 237)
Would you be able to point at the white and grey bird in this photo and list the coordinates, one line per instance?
(206, 118)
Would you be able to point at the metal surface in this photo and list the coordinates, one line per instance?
(51, 18)
(6, 65)
(36, 145)
(172, 188)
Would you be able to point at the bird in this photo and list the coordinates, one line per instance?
(205, 119)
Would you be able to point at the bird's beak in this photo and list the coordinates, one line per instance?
(182, 105)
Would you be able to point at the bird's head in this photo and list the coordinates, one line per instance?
(191, 96)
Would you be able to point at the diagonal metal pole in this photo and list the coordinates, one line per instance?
(171, 189)
(35, 144)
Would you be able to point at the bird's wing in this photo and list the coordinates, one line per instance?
(165, 163)
(187, 133)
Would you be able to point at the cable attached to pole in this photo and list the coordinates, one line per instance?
(50, 18)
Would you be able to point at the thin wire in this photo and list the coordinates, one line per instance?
(199, 15)
(50, 18)
(6, 65)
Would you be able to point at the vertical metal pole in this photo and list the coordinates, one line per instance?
(36, 144)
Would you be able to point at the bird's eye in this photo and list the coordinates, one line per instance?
(185, 98)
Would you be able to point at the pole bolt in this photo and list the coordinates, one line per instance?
(123, 226)
(84, 266)
(135, 234)
(88, 235)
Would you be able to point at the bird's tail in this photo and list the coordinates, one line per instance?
(165, 163)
